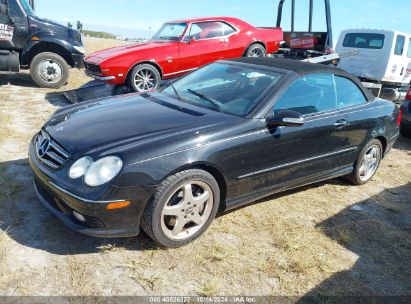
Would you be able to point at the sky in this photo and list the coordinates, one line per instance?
(139, 18)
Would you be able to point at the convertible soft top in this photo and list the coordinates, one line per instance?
(303, 68)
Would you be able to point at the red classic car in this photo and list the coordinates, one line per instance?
(179, 47)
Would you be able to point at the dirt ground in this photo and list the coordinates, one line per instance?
(301, 243)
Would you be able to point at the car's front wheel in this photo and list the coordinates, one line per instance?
(144, 77)
(182, 208)
(367, 163)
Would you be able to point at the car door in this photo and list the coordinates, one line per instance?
(19, 22)
(291, 156)
(359, 113)
(205, 43)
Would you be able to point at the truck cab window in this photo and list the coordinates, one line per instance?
(399, 45)
(15, 10)
(364, 40)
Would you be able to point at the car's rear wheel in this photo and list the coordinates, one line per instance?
(367, 163)
(144, 77)
(256, 50)
(49, 70)
(182, 208)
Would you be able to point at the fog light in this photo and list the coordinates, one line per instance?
(79, 217)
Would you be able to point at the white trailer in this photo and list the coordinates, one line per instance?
(380, 58)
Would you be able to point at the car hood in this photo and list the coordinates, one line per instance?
(100, 56)
(111, 124)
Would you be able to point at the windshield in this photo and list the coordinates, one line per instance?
(170, 32)
(225, 88)
(28, 8)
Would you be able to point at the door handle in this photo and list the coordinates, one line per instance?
(340, 123)
(224, 40)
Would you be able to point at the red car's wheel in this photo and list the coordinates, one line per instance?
(256, 50)
(144, 77)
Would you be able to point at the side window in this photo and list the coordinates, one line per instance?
(409, 48)
(348, 93)
(226, 29)
(210, 29)
(15, 10)
(399, 45)
(310, 94)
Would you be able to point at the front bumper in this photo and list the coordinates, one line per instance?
(99, 221)
(99, 77)
(78, 60)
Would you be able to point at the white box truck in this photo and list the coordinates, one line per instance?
(380, 58)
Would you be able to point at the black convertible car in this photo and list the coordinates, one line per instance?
(223, 136)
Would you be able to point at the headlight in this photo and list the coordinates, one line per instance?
(80, 49)
(80, 167)
(103, 171)
(96, 173)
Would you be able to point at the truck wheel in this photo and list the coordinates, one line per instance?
(256, 50)
(182, 208)
(49, 70)
(144, 77)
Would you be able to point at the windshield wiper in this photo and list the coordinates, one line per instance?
(213, 102)
(175, 91)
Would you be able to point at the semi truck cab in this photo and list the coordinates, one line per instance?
(45, 47)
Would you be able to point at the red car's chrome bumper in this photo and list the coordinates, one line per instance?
(100, 77)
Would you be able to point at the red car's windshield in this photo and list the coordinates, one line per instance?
(170, 32)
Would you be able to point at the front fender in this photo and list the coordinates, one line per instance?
(43, 38)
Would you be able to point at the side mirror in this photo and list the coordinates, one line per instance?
(286, 119)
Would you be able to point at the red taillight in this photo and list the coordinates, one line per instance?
(408, 96)
(399, 118)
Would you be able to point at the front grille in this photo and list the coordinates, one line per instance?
(92, 68)
(49, 152)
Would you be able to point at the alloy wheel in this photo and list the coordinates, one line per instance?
(187, 210)
(256, 53)
(145, 80)
(370, 162)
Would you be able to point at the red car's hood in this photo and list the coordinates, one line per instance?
(100, 56)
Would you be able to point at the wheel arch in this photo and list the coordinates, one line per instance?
(384, 143)
(153, 63)
(50, 47)
(215, 172)
(253, 43)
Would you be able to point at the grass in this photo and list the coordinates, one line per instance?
(6, 132)
(218, 252)
(208, 289)
(343, 237)
(107, 248)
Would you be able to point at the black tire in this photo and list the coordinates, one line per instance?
(144, 69)
(406, 132)
(256, 50)
(152, 218)
(355, 176)
(54, 60)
